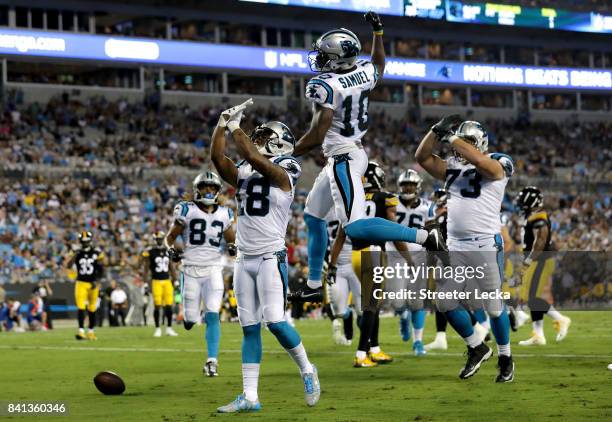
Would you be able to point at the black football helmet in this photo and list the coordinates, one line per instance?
(158, 238)
(529, 198)
(374, 177)
(85, 238)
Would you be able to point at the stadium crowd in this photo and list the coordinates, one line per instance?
(40, 217)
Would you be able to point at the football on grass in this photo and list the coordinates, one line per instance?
(109, 383)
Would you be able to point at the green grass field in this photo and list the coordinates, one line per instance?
(566, 381)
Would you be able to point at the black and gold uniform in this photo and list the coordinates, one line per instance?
(89, 263)
(157, 266)
(537, 279)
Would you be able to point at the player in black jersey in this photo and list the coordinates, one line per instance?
(538, 267)
(89, 262)
(383, 205)
(157, 267)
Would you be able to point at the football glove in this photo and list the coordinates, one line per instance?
(330, 276)
(231, 249)
(374, 20)
(234, 113)
(175, 254)
(446, 127)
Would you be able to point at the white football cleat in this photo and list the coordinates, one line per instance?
(157, 332)
(562, 325)
(521, 318)
(170, 332)
(338, 335)
(534, 340)
(439, 343)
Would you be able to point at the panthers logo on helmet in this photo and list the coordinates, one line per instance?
(349, 48)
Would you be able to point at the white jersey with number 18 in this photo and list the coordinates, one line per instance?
(347, 95)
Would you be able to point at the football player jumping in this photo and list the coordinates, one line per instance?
(339, 95)
(202, 223)
(265, 184)
(476, 182)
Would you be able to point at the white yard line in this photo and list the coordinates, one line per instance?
(180, 350)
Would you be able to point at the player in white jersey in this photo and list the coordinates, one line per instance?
(345, 283)
(475, 181)
(202, 224)
(265, 183)
(411, 211)
(339, 96)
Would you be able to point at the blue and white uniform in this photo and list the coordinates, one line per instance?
(339, 184)
(202, 270)
(260, 273)
(474, 238)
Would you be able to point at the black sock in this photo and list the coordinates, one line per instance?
(473, 318)
(537, 316)
(539, 305)
(156, 315)
(441, 322)
(348, 326)
(374, 335)
(81, 318)
(168, 312)
(368, 320)
(92, 319)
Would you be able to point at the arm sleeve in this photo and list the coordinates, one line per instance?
(506, 162)
(180, 213)
(320, 92)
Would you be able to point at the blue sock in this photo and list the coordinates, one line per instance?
(480, 315)
(213, 333)
(286, 335)
(379, 230)
(418, 319)
(501, 328)
(460, 320)
(251, 344)
(317, 245)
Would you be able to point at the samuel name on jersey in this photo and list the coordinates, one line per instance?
(264, 210)
(474, 202)
(202, 232)
(347, 94)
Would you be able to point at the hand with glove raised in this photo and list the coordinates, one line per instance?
(375, 21)
(231, 117)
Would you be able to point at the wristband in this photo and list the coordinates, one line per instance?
(378, 32)
(232, 125)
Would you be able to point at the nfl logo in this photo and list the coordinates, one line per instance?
(271, 59)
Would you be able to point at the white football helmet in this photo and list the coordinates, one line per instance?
(277, 139)
(335, 50)
(410, 176)
(474, 132)
(207, 178)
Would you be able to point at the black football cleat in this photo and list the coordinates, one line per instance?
(306, 294)
(435, 243)
(505, 364)
(476, 356)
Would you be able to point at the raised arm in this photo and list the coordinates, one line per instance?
(488, 167)
(224, 165)
(247, 150)
(433, 164)
(320, 124)
(378, 47)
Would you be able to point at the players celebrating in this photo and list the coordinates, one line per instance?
(476, 182)
(203, 223)
(538, 267)
(89, 261)
(156, 264)
(339, 95)
(265, 183)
